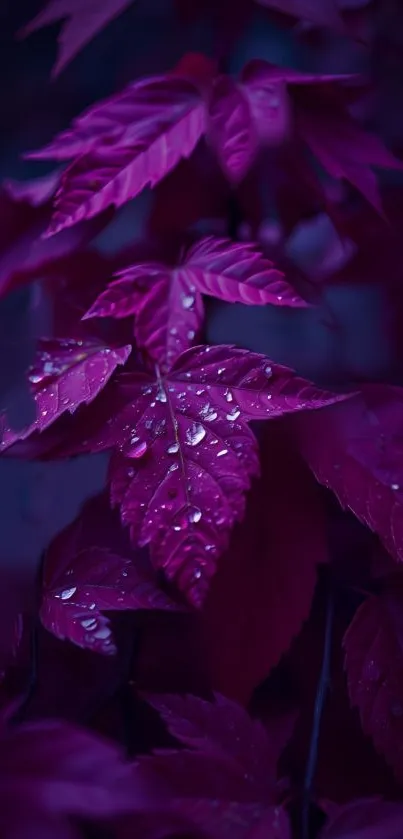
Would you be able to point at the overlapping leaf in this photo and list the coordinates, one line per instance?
(374, 663)
(356, 450)
(134, 139)
(124, 144)
(184, 455)
(187, 455)
(167, 300)
(51, 772)
(264, 586)
(90, 569)
(227, 784)
(26, 209)
(66, 374)
(365, 819)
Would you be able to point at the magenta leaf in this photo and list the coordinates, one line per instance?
(147, 108)
(184, 455)
(227, 784)
(345, 150)
(166, 300)
(124, 144)
(209, 728)
(236, 272)
(374, 664)
(26, 209)
(365, 819)
(187, 456)
(134, 139)
(241, 118)
(81, 580)
(260, 596)
(66, 374)
(52, 771)
(356, 451)
(84, 21)
(169, 311)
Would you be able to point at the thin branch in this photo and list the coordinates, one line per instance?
(323, 684)
(34, 649)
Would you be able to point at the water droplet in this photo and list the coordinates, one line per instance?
(173, 468)
(221, 370)
(191, 334)
(173, 331)
(268, 371)
(35, 378)
(102, 633)
(229, 397)
(187, 301)
(138, 449)
(233, 415)
(222, 452)
(207, 413)
(395, 486)
(161, 395)
(68, 592)
(194, 515)
(173, 449)
(89, 623)
(195, 434)
(197, 574)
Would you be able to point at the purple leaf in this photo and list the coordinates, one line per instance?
(227, 785)
(209, 728)
(26, 209)
(346, 151)
(356, 450)
(84, 21)
(50, 771)
(369, 818)
(187, 456)
(66, 374)
(236, 272)
(114, 176)
(146, 108)
(81, 580)
(240, 119)
(167, 302)
(169, 312)
(123, 144)
(256, 111)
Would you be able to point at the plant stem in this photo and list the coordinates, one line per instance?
(317, 714)
(34, 648)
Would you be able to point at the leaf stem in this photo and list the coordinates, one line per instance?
(34, 649)
(320, 698)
